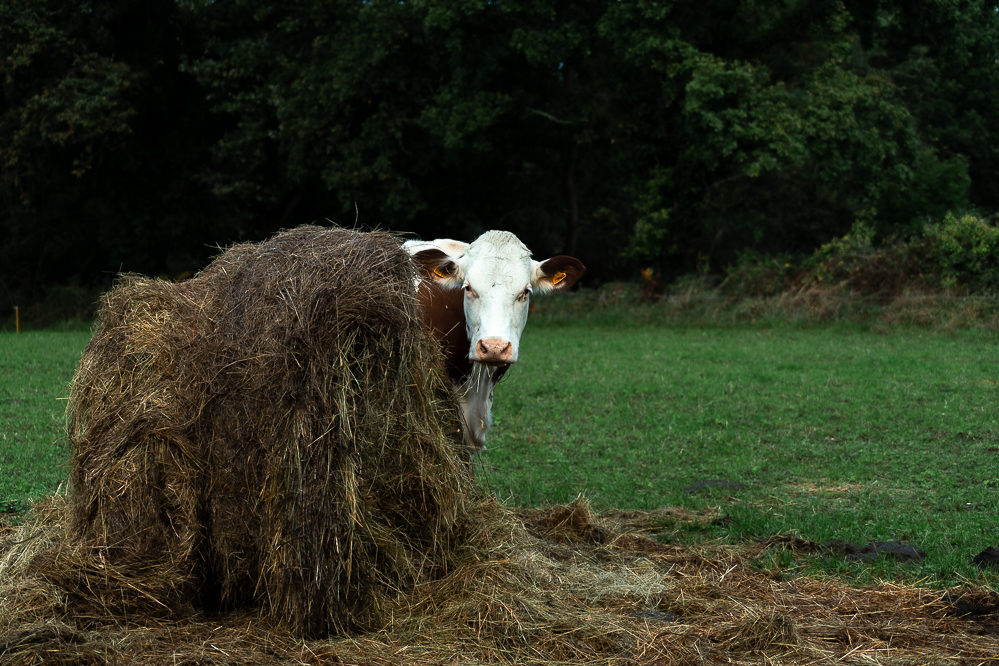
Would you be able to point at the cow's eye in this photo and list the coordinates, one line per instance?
(524, 295)
(469, 290)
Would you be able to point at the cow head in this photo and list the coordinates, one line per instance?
(476, 304)
(498, 277)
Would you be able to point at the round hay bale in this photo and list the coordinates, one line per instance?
(274, 433)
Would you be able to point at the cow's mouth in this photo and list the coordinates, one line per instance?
(495, 364)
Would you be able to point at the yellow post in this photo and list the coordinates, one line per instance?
(17, 319)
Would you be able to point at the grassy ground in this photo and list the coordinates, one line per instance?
(824, 431)
(35, 369)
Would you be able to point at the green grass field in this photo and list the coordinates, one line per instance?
(825, 432)
(35, 370)
(830, 432)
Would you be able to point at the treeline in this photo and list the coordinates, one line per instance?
(677, 136)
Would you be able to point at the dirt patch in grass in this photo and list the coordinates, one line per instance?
(824, 488)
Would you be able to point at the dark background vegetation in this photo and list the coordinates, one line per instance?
(679, 137)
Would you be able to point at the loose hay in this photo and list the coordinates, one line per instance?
(535, 588)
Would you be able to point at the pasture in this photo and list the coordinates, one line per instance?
(818, 433)
(822, 432)
(35, 370)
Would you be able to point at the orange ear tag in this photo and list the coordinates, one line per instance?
(558, 277)
(439, 273)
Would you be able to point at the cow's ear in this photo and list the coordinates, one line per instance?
(558, 273)
(438, 266)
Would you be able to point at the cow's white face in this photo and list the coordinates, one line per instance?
(498, 272)
(498, 276)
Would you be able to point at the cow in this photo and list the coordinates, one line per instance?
(474, 297)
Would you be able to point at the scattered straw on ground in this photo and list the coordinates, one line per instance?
(559, 585)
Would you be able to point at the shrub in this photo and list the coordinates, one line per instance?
(757, 276)
(958, 252)
(963, 251)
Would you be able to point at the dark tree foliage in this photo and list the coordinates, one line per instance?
(100, 129)
(137, 136)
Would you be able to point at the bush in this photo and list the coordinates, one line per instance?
(758, 276)
(861, 265)
(62, 305)
(957, 253)
(963, 251)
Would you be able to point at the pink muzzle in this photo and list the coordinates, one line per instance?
(493, 350)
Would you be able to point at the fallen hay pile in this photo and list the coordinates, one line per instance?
(539, 587)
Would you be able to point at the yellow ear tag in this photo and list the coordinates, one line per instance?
(558, 277)
(439, 273)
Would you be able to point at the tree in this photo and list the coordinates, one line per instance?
(100, 129)
(634, 134)
(781, 138)
(941, 58)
